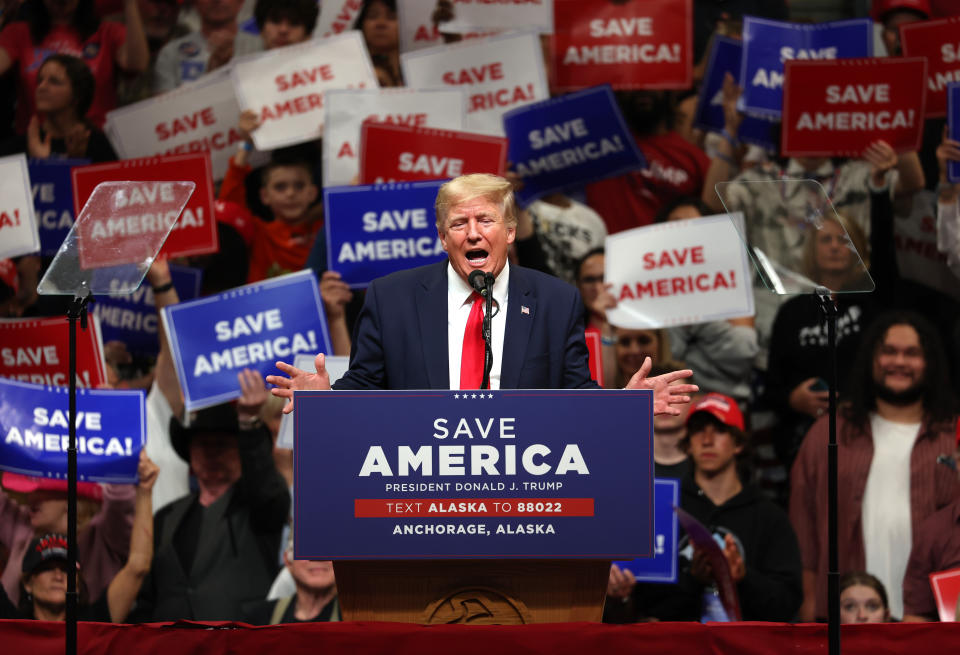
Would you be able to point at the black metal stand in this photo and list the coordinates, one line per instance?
(77, 310)
(487, 329)
(829, 309)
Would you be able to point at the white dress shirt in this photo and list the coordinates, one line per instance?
(459, 303)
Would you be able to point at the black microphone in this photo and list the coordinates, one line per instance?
(478, 281)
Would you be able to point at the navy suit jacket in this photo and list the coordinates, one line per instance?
(400, 339)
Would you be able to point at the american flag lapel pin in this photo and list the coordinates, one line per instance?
(524, 310)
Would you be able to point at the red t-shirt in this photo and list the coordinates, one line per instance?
(99, 51)
(675, 168)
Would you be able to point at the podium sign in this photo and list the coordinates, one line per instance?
(473, 474)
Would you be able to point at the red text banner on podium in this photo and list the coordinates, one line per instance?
(937, 41)
(633, 45)
(195, 233)
(473, 474)
(839, 107)
(398, 153)
(36, 351)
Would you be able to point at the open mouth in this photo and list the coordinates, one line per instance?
(477, 257)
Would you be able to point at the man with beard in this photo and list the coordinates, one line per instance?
(675, 167)
(892, 436)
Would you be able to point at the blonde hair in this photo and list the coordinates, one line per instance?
(494, 188)
(856, 237)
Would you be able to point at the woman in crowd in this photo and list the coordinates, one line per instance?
(73, 27)
(377, 21)
(65, 87)
(43, 582)
(104, 513)
(863, 599)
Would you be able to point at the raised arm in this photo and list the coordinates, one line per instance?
(134, 54)
(126, 583)
(166, 375)
(725, 165)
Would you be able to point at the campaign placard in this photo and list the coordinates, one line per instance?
(662, 567)
(448, 474)
(215, 337)
(953, 127)
(396, 153)
(34, 425)
(346, 111)
(569, 141)
(915, 239)
(336, 16)
(18, 223)
(285, 86)
(415, 26)
(937, 41)
(471, 16)
(679, 273)
(498, 73)
(36, 350)
(195, 233)
(628, 45)
(336, 367)
(132, 318)
(200, 116)
(725, 58)
(375, 230)
(946, 591)
(52, 188)
(768, 44)
(838, 108)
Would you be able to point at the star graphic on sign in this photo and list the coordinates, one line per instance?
(489, 395)
(473, 395)
(456, 395)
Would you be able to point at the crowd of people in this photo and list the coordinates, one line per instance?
(205, 534)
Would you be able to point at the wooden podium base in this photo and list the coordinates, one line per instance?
(476, 592)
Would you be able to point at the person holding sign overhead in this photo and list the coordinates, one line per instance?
(421, 328)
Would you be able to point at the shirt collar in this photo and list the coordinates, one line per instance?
(458, 288)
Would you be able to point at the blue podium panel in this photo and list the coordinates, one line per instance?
(473, 474)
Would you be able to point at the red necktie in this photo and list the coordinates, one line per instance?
(471, 357)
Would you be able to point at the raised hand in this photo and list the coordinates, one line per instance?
(147, 473)
(667, 389)
(38, 148)
(253, 393)
(299, 380)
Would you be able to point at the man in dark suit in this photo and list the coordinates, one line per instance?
(418, 328)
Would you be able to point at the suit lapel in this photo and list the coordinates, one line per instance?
(432, 313)
(521, 309)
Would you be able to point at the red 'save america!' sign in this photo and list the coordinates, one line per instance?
(632, 45)
(839, 107)
(398, 153)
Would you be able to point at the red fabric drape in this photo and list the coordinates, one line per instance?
(41, 638)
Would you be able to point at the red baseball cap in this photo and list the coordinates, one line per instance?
(724, 408)
(881, 8)
(27, 483)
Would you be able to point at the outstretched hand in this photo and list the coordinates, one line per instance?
(299, 380)
(667, 390)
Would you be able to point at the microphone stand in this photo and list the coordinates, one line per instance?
(487, 329)
(829, 309)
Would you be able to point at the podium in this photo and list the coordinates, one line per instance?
(500, 507)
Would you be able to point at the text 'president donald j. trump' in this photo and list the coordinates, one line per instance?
(421, 328)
